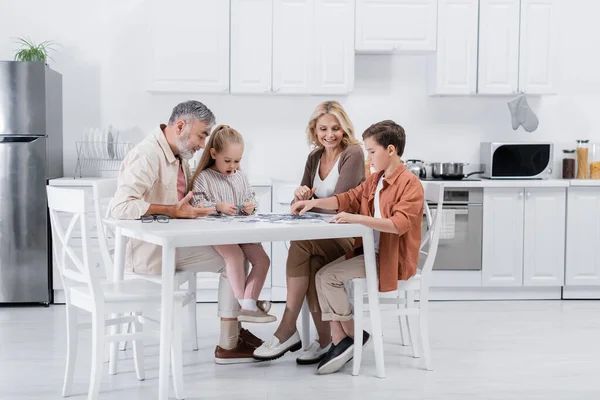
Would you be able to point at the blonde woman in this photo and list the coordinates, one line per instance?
(336, 165)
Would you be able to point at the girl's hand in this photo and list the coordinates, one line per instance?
(302, 206)
(304, 193)
(345, 218)
(226, 208)
(248, 208)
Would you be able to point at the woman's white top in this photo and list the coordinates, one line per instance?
(325, 187)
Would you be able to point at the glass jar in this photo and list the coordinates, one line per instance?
(595, 161)
(582, 159)
(568, 164)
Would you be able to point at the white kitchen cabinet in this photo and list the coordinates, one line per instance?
(539, 46)
(544, 237)
(498, 46)
(453, 69)
(193, 55)
(333, 47)
(583, 237)
(502, 241)
(396, 25)
(251, 46)
(292, 46)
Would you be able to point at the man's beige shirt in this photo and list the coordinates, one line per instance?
(148, 175)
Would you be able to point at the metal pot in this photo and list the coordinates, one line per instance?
(450, 171)
(417, 167)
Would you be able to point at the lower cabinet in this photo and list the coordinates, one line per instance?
(524, 236)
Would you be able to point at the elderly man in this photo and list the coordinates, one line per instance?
(154, 179)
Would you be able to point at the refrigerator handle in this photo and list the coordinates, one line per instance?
(18, 139)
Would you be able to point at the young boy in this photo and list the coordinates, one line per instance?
(391, 202)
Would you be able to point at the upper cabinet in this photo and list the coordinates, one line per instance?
(539, 42)
(396, 25)
(189, 61)
(454, 66)
(515, 50)
(251, 45)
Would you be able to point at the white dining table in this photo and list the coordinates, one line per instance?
(207, 232)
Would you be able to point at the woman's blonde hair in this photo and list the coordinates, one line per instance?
(334, 108)
(221, 136)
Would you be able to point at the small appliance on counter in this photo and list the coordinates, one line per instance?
(516, 160)
(417, 167)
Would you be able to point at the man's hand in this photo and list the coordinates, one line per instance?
(304, 193)
(302, 206)
(248, 208)
(345, 218)
(184, 209)
(226, 208)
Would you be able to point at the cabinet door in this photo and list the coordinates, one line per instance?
(502, 250)
(292, 45)
(193, 55)
(539, 42)
(333, 47)
(544, 237)
(583, 237)
(396, 25)
(251, 45)
(454, 70)
(498, 46)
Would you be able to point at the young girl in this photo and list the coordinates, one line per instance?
(219, 182)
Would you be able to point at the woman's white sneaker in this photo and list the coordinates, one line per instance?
(313, 354)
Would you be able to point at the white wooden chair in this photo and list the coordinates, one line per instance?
(86, 291)
(416, 286)
(103, 192)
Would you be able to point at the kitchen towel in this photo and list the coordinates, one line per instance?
(522, 114)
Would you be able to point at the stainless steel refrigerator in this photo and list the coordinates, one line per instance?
(30, 153)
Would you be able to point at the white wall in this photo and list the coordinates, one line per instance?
(102, 59)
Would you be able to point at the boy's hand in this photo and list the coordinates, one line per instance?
(248, 208)
(226, 208)
(304, 193)
(300, 207)
(345, 218)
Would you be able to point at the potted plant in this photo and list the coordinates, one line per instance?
(32, 52)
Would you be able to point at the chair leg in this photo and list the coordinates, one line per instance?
(192, 285)
(305, 325)
(71, 349)
(177, 353)
(128, 329)
(424, 328)
(402, 320)
(114, 348)
(359, 290)
(98, 332)
(412, 325)
(138, 349)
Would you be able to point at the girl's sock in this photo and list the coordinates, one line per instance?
(248, 304)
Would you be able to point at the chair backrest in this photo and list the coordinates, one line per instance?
(104, 191)
(74, 268)
(434, 194)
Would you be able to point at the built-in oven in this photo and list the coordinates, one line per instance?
(461, 229)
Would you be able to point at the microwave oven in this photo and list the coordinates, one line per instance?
(514, 160)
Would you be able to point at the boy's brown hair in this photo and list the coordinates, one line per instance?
(387, 132)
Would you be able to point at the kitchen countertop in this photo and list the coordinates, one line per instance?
(89, 181)
(505, 183)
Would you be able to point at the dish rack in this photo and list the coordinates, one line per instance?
(95, 156)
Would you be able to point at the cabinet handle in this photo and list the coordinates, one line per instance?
(528, 194)
(521, 195)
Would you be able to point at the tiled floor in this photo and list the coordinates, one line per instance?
(481, 350)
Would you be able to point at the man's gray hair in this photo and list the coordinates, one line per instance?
(192, 109)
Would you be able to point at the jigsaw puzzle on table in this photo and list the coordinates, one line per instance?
(271, 218)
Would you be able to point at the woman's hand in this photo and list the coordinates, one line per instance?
(345, 218)
(248, 208)
(302, 206)
(226, 208)
(304, 193)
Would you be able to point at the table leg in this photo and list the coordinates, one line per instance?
(373, 293)
(166, 316)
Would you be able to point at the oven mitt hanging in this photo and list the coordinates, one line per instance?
(522, 114)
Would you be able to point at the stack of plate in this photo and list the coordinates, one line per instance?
(102, 143)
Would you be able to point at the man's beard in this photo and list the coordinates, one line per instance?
(184, 151)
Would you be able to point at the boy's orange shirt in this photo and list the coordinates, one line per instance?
(401, 200)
